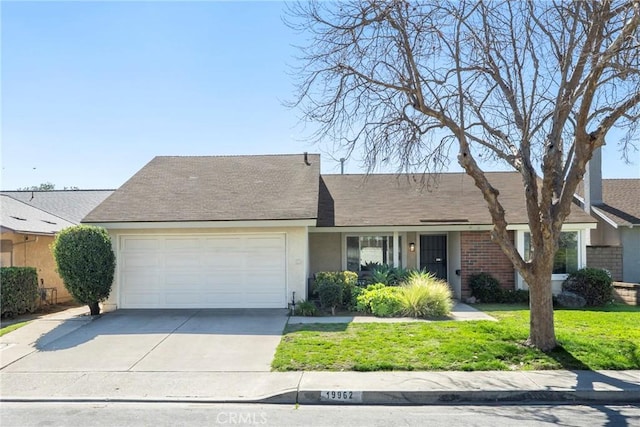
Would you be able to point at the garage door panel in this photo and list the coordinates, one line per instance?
(203, 271)
(141, 299)
(136, 260)
(181, 244)
(141, 279)
(218, 244)
(144, 244)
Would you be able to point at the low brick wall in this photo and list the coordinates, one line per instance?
(607, 257)
(626, 293)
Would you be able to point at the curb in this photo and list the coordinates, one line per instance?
(474, 396)
(398, 398)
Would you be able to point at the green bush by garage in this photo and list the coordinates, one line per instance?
(19, 290)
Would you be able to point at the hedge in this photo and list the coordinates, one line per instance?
(19, 290)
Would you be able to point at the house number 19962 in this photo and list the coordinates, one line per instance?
(341, 395)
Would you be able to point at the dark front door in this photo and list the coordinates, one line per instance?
(433, 255)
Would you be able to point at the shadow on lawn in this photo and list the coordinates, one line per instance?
(609, 308)
(315, 327)
(567, 360)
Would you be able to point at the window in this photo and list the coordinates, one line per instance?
(566, 259)
(365, 251)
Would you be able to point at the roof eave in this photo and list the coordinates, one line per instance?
(268, 223)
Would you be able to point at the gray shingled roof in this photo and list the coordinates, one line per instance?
(389, 199)
(22, 218)
(72, 205)
(216, 188)
(621, 199)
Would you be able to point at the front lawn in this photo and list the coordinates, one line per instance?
(607, 338)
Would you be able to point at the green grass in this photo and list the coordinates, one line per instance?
(607, 338)
(12, 328)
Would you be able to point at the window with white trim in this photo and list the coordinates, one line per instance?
(567, 257)
(363, 252)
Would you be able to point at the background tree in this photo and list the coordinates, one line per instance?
(534, 85)
(45, 186)
(86, 263)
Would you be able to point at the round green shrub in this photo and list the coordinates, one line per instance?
(385, 302)
(485, 288)
(86, 263)
(363, 299)
(331, 294)
(595, 285)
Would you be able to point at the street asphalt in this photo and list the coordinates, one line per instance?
(223, 356)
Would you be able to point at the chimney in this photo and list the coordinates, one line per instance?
(593, 181)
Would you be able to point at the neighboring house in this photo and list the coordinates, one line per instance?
(248, 231)
(29, 222)
(615, 203)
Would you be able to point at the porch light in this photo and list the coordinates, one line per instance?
(412, 247)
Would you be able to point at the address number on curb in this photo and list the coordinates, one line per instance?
(341, 396)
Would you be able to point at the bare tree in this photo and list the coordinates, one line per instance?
(536, 85)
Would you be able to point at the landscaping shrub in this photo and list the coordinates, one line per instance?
(381, 274)
(19, 290)
(423, 295)
(385, 302)
(485, 288)
(363, 301)
(305, 308)
(387, 275)
(346, 280)
(356, 291)
(86, 263)
(330, 294)
(593, 284)
(515, 296)
(380, 300)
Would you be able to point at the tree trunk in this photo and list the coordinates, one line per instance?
(541, 329)
(94, 308)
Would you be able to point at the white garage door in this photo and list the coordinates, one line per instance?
(206, 271)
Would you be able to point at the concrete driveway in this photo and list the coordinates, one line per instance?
(163, 340)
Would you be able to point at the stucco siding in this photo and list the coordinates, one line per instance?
(412, 257)
(34, 251)
(325, 252)
(296, 254)
(605, 235)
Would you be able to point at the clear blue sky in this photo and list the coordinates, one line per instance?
(92, 91)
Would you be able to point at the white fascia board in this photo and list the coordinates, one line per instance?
(34, 233)
(203, 224)
(400, 228)
(565, 226)
(603, 216)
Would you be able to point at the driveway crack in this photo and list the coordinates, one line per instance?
(163, 340)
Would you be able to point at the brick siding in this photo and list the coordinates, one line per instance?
(480, 255)
(607, 257)
(626, 293)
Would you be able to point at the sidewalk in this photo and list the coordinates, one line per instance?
(368, 388)
(21, 342)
